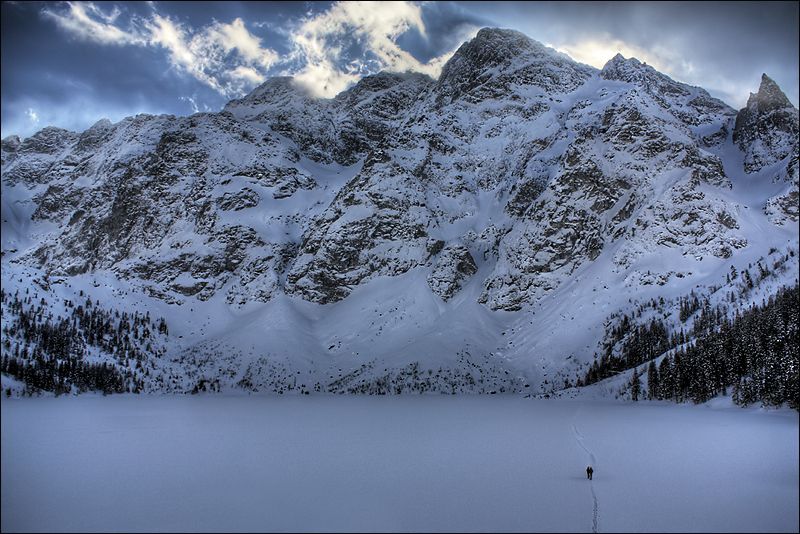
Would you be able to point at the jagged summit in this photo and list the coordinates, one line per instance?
(496, 59)
(11, 142)
(508, 40)
(102, 124)
(382, 81)
(692, 105)
(271, 89)
(766, 130)
(613, 64)
(492, 47)
(769, 96)
(634, 71)
(631, 70)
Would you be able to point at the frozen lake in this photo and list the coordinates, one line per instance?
(393, 464)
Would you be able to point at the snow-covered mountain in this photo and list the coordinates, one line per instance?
(478, 232)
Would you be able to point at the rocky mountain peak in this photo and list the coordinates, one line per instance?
(383, 81)
(489, 48)
(768, 97)
(102, 124)
(11, 143)
(510, 40)
(625, 70)
(506, 57)
(48, 140)
(8, 148)
(691, 105)
(767, 130)
(275, 89)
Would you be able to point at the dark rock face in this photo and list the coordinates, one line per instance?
(769, 97)
(453, 266)
(524, 194)
(343, 129)
(369, 229)
(767, 132)
(691, 105)
(48, 141)
(767, 129)
(285, 180)
(487, 66)
(246, 198)
(95, 136)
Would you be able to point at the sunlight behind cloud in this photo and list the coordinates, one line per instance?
(597, 52)
(248, 74)
(170, 36)
(235, 37)
(377, 25)
(226, 57)
(229, 59)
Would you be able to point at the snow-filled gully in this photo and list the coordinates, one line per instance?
(592, 462)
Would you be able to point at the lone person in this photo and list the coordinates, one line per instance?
(589, 472)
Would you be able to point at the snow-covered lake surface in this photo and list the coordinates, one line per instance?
(394, 464)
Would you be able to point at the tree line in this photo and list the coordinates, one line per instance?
(755, 355)
(89, 349)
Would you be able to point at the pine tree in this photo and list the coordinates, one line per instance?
(652, 381)
(748, 280)
(666, 388)
(636, 385)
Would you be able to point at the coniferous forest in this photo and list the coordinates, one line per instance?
(91, 349)
(755, 355)
(750, 352)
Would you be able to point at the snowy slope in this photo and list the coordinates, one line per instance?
(471, 233)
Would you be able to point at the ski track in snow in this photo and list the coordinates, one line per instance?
(593, 462)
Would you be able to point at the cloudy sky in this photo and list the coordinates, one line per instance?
(71, 63)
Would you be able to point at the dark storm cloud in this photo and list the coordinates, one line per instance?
(70, 64)
(446, 23)
(73, 83)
